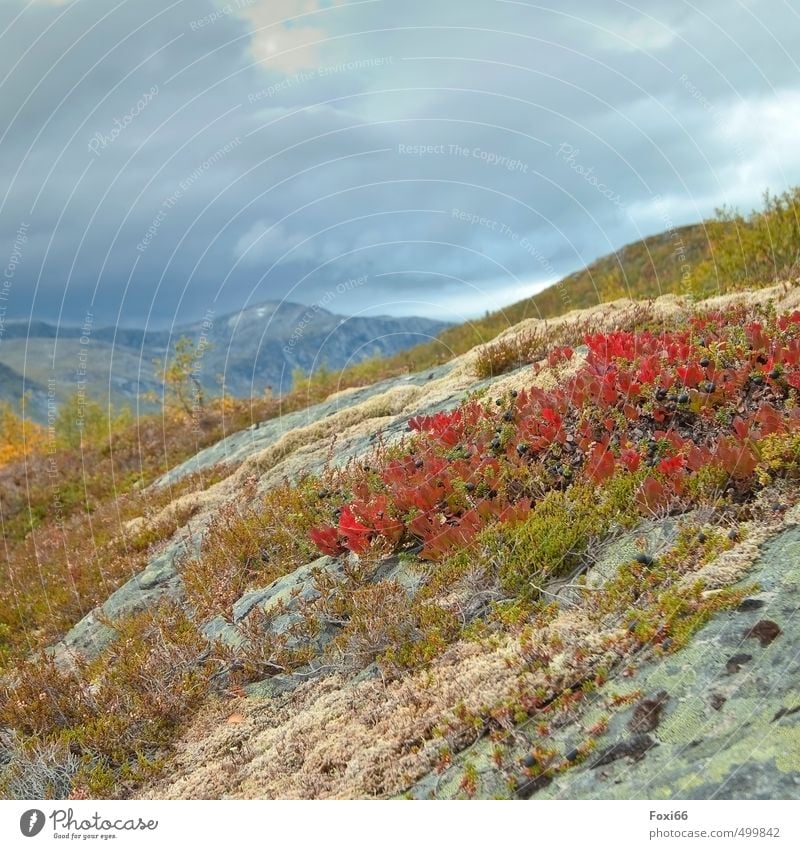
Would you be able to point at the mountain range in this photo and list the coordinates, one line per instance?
(251, 350)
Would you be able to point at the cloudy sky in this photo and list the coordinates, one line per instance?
(159, 159)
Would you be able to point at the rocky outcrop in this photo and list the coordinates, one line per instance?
(719, 719)
(239, 446)
(159, 580)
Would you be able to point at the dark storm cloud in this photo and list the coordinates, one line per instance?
(167, 158)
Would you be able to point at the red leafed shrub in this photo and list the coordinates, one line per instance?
(738, 460)
(785, 321)
(559, 355)
(605, 347)
(652, 495)
(662, 407)
(630, 458)
(756, 337)
(355, 533)
(443, 426)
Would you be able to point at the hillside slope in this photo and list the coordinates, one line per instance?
(653, 266)
(728, 252)
(501, 601)
(12, 387)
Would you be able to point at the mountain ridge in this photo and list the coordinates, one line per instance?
(253, 349)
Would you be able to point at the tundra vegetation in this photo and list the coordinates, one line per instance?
(490, 507)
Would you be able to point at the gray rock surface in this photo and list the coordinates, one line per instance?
(159, 580)
(239, 446)
(719, 719)
(281, 602)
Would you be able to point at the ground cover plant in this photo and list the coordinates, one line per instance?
(686, 414)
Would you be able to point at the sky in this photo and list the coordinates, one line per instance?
(160, 160)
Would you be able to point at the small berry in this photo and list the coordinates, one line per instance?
(705, 362)
(775, 373)
(710, 387)
(418, 463)
(508, 416)
(499, 402)
(661, 394)
(470, 487)
(683, 398)
(644, 559)
(522, 448)
(529, 761)
(514, 393)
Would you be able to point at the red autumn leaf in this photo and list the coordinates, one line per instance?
(600, 465)
(770, 420)
(690, 374)
(558, 355)
(444, 426)
(327, 541)
(737, 460)
(652, 494)
(631, 413)
(740, 428)
(356, 533)
(697, 456)
(630, 458)
(670, 465)
(755, 335)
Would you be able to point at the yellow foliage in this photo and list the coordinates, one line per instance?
(18, 436)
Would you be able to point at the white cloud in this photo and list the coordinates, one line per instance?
(768, 129)
(463, 302)
(287, 35)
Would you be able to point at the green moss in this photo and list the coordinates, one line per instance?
(552, 539)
